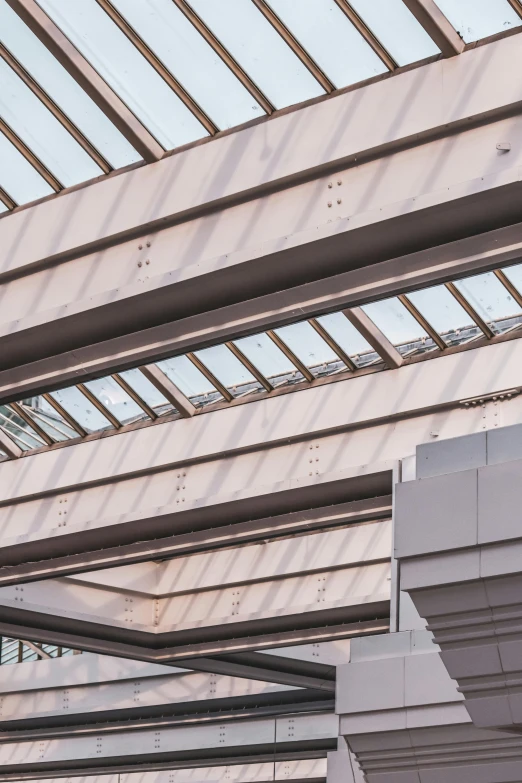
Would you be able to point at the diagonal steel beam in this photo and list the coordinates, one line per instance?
(437, 26)
(88, 78)
(169, 390)
(374, 336)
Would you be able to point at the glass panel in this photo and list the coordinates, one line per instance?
(61, 87)
(349, 339)
(189, 380)
(41, 131)
(18, 177)
(269, 359)
(491, 300)
(48, 419)
(3, 207)
(445, 314)
(397, 29)
(78, 406)
(23, 434)
(514, 274)
(147, 391)
(260, 50)
(328, 35)
(116, 400)
(228, 369)
(475, 19)
(310, 348)
(398, 325)
(177, 43)
(126, 70)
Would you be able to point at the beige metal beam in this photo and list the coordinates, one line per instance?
(437, 26)
(374, 336)
(9, 446)
(88, 78)
(169, 390)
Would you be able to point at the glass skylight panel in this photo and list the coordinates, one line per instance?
(398, 325)
(147, 391)
(491, 300)
(186, 376)
(78, 406)
(186, 54)
(444, 313)
(41, 132)
(348, 338)
(514, 274)
(17, 177)
(310, 348)
(62, 88)
(116, 400)
(48, 418)
(120, 63)
(331, 39)
(397, 29)
(269, 359)
(227, 368)
(24, 435)
(476, 19)
(260, 50)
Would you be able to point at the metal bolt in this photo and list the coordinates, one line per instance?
(147, 261)
(329, 203)
(339, 200)
(148, 244)
(140, 263)
(140, 247)
(339, 182)
(330, 185)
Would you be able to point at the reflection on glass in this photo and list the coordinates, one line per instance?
(189, 380)
(349, 339)
(116, 400)
(260, 50)
(186, 54)
(398, 325)
(78, 406)
(445, 314)
(491, 300)
(62, 88)
(24, 436)
(228, 369)
(48, 418)
(34, 124)
(18, 177)
(269, 359)
(397, 29)
(310, 348)
(331, 39)
(147, 391)
(120, 63)
(475, 19)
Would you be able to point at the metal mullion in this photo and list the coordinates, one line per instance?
(55, 110)
(99, 406)
(463, 302)
(225, 55)
(295, 46)
(238, 353)
(37, 649)
(367, 34)
(421, 320)
(7, 444)
(70, 420)
(151, 413)
(303, 369)
(6, 199)
(210, 377)
(506, 282)
(159, 67)
(373, 335)
(14, 436)
(516, 5)
(30, 157)
(39, 417)
(169, 390)
(20, 411)
(343, 356)
(438, 27)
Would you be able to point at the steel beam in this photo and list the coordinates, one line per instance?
(437, 26)
(364, 324)
(169, 390)
(88, 79)
(441, 103)
(9, 446)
